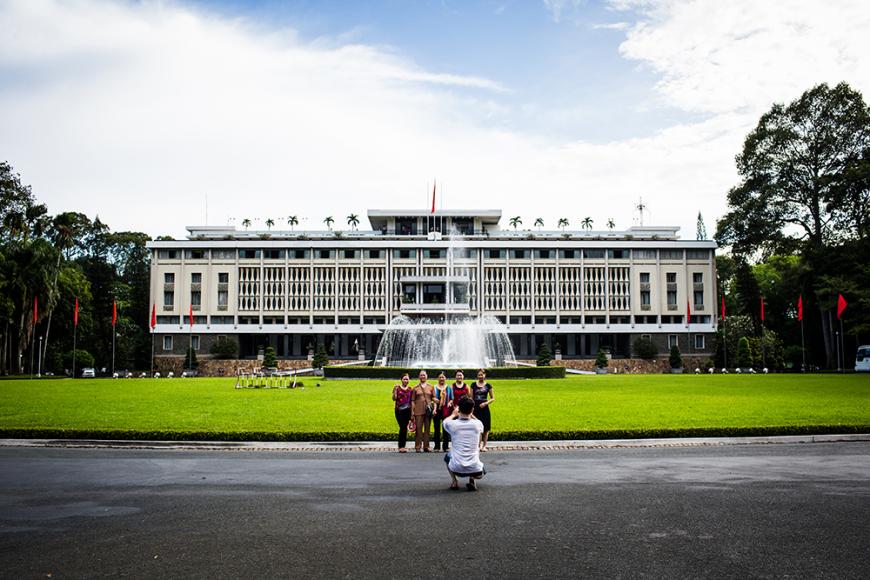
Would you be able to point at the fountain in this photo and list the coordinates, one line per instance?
(451, 338)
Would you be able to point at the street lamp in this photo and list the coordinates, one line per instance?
(39, 359)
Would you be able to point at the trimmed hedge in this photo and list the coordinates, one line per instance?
(470, 374)
(759, 431)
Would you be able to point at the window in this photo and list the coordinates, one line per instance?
(464, 253)
(697, 254)
(167, 343)
(495, 254)
(375, 320)
(349, 255)
(646, 336)
(571, 320)
(699, 299)
(593, 254)
(434, 254)
(374, 254)
(644, 254)
(196, 278)
(167, 320)
(698, 278)
(195, 254)
(672, 340)
(249, 320)
(324, 320)
(223, 299)
(699, 342)
(672, 254)
(223, 254)
(169, 278)
(406, 226)
(620, 320)
(545, 320)
(194, 342)
(324, 254)
(671, 277)
(222, 320)
(645, 320)
(223, 277)
(519, 254)
(520, 319)
(273, 254)
(464, 226)
(672, 319)
(545, 254)
(405, 254)
(645, 298)
(168, 298)
(297, 254)
(195, 292)
(569, 254)
(644, 277)
(273, 320)
(167, 254)
(249, 254)
(195, 299)
(617, 254)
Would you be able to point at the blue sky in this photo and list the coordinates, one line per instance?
(147, 111)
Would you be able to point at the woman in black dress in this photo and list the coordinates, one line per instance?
(481, 393)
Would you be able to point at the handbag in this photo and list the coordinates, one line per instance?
(412, 426)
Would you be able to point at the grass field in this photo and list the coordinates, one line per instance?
(575, 407)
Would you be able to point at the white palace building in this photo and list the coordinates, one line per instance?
(574, 290)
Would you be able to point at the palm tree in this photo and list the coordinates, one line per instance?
(563, 223)
(328, 221)
(539, 223)
(246, 223)
(587, 223)
(292, 221)
(516, 221)
(610, 224)
(269, 223)
(353, 220)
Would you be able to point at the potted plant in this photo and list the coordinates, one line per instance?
(676, 360)
(601, 362)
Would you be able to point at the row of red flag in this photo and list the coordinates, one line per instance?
(841, 306)
(76, 312)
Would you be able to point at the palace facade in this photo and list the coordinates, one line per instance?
(574, 290)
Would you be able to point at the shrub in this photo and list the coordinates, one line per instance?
(491, 373)
(190, 361)
(83, 359)
(645, 348)
(544, 355)
(321, 359)
(744, 355)
(675, 358)
(225, 348)
(269, 357)
(601, 359)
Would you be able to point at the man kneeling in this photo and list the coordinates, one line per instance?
(463, 459)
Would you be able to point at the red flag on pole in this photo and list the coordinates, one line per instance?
(433, 197)
(153, 316)
(841, 306)
(35, 309)
(762, 309)
(800, 307)
(191, 315)
(688, 313)
(76, 313)
(114, 312)
(723, 307)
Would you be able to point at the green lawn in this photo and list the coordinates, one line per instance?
(575, 407)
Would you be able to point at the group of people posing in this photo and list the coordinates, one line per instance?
(425, 405)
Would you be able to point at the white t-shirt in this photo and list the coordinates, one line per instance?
(465, 450)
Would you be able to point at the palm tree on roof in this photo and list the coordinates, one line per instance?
(563, 223)
(539, 223)
(269, 223)
(246, 223)
(516, 221)
(353, 220)
(328, 221)
(587, 223)
(292, 221)
(610, 224)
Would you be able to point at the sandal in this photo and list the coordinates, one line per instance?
(471, 486)
(454, 487)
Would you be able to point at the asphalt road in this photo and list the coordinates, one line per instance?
(786, 510)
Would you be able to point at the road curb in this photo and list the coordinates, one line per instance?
(388, 446)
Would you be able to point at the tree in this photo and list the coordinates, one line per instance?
(645, 348)
(516, 221)
(610, 223)
(225, 348)
(269, 358)
(601, 359)
(269, 223)
(353, 220)
(292, 221)
(246, 223)
(675, 359)
(700, 229)
(84, 359)
(563, 223)
(586, 223)
(320, 359)
(328, 221)
(744, 354)
(190, 361)
(544, 355)
(539, 223)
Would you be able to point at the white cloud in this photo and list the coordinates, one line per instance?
(137, 111)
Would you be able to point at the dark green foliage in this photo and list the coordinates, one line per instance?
(645, 348)
(83, 359)
(396, 372)
(601, 359)
(269, 360)
(225, 348)
(190, 361)
(320, 359)
(544, 355)
(744, 354)
(675, 358)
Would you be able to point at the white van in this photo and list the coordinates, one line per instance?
(862, 359)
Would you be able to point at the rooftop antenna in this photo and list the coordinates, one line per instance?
(640, 208)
